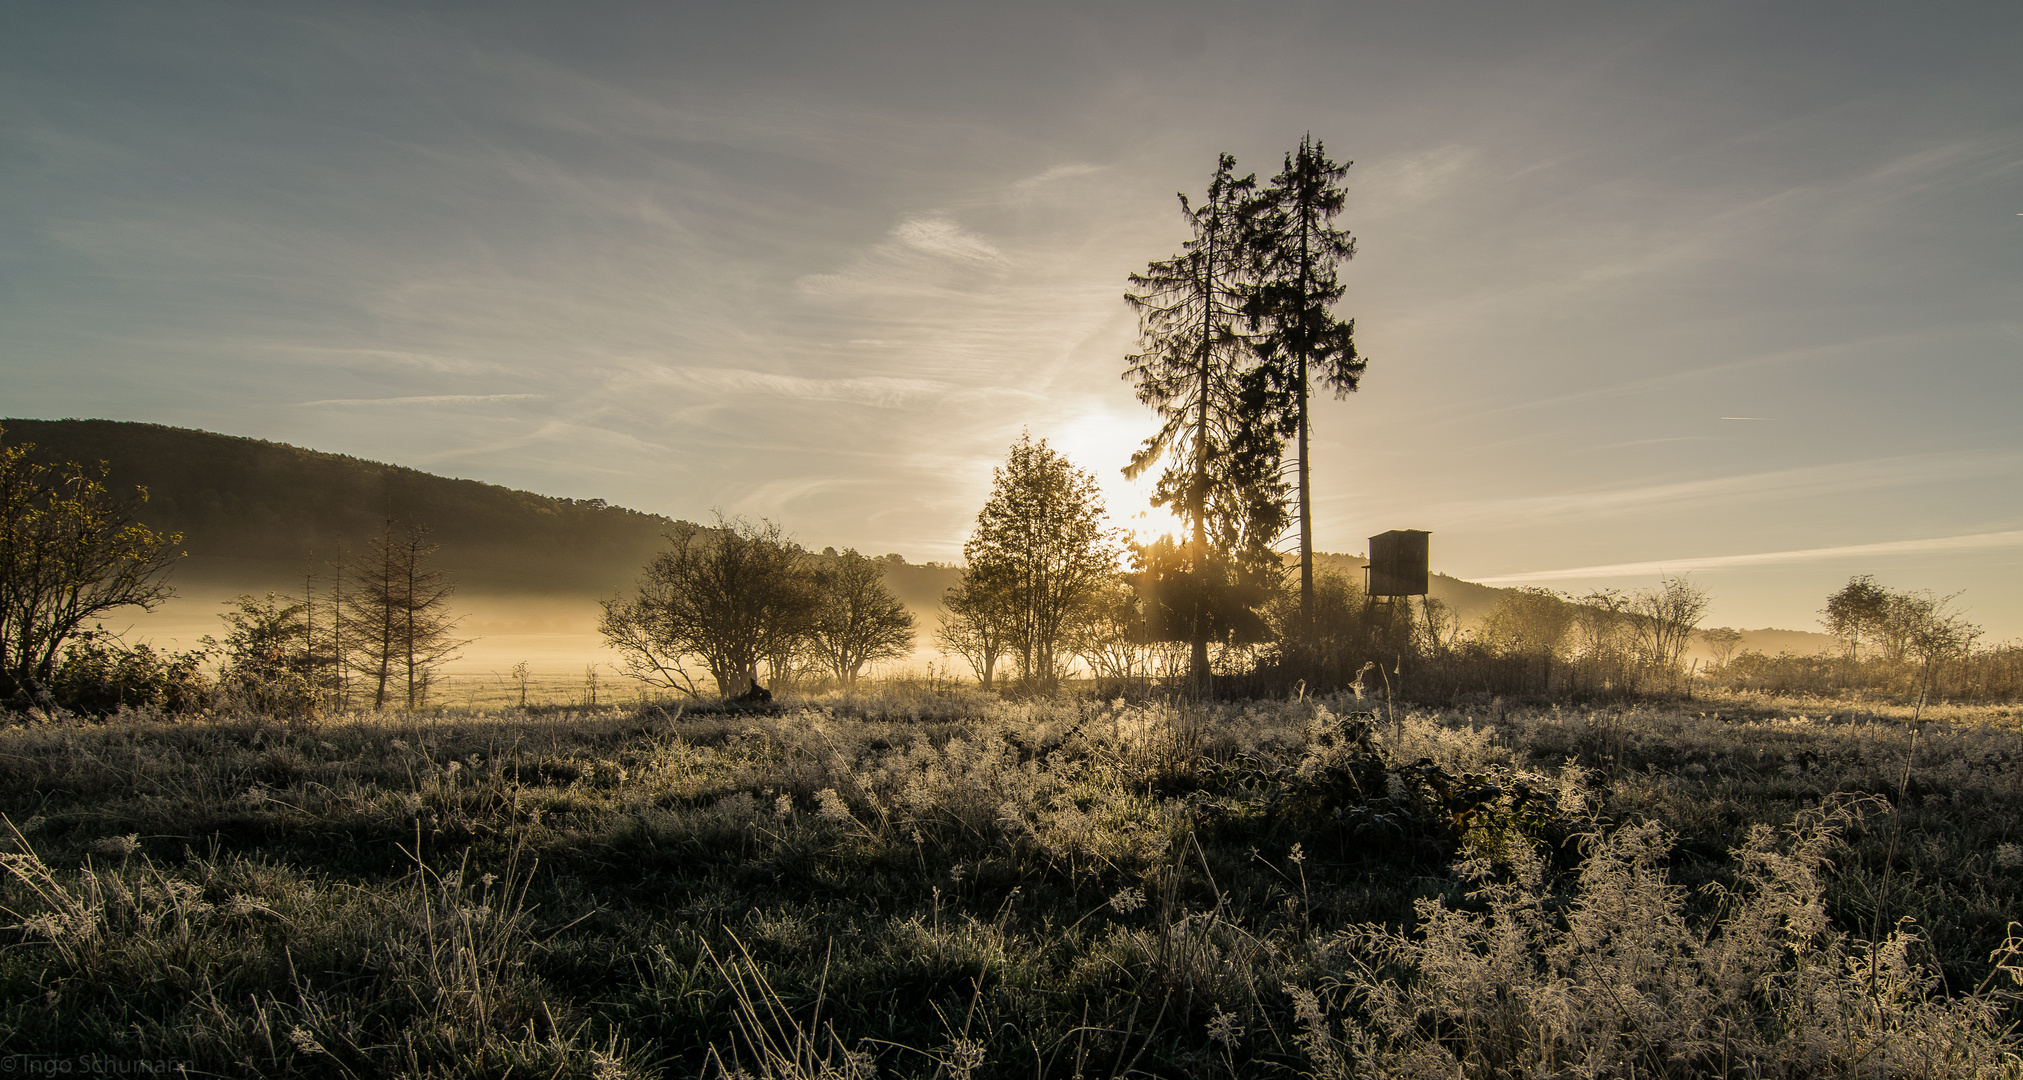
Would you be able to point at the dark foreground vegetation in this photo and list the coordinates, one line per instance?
(907, 883)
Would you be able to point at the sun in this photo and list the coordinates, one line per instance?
(1100, 441)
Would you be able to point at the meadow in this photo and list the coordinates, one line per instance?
(917, 881)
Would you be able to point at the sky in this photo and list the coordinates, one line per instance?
(1730, 290)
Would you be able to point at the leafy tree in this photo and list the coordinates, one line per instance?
(1200, 598)
(1859, 611)
(857, 619)
(1194, 368)
(268, 665)
(69, 553)
(1039, 550)
(1296, 249)
(729, 596)
(1722, 642)
(1901, 626)
(1343, 630)
(398, 624)
(1530, 622)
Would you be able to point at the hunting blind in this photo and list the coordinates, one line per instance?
(1398, 563)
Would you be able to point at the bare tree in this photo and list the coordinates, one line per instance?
(398, 622)
(336, 647)
(729, 596)
(69, 553)
(1936, 634)
(857, 619)
(976, 626)
(1666, 618)
(1110, 634)
(1605, 640)
(647, 651)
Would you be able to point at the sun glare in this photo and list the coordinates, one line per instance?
(1101, 442)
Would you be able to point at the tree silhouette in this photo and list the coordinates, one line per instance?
(1296, 249)
(975, 625)
(1039, 550)
(398, 621)
(857, 619)
(731, 596)
(1194, 368)
(1858, 610)
(69, 553)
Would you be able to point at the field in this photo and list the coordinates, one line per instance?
(920, 882)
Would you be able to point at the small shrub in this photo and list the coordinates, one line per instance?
(100, 674)
(1605, 975)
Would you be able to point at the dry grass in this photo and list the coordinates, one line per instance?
(925, 884)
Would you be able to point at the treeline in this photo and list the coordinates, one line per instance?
(1047, 592)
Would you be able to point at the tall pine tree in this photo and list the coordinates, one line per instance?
(1294, 250)
(1195, 369)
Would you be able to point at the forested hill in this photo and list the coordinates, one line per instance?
(255, 514)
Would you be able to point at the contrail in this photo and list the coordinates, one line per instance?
(1967, 542)
(428, 399)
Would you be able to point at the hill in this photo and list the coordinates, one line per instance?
(1465, 598)
(255, 515)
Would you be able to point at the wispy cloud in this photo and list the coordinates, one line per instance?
(1836, 478)
(376, 358)
(862, 390)
(1412, 177)
(943, 237)
(773, 498)
(1058, 172)
(1938, 544)
(424, 399)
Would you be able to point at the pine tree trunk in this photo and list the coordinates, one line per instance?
(1306, 520)
(408, 557)
(1197, 660)
(1306, 516)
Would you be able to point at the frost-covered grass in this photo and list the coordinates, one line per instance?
(946, 883)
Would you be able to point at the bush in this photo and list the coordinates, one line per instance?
(1992, 674)
(1606, 975)
(100, 674)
